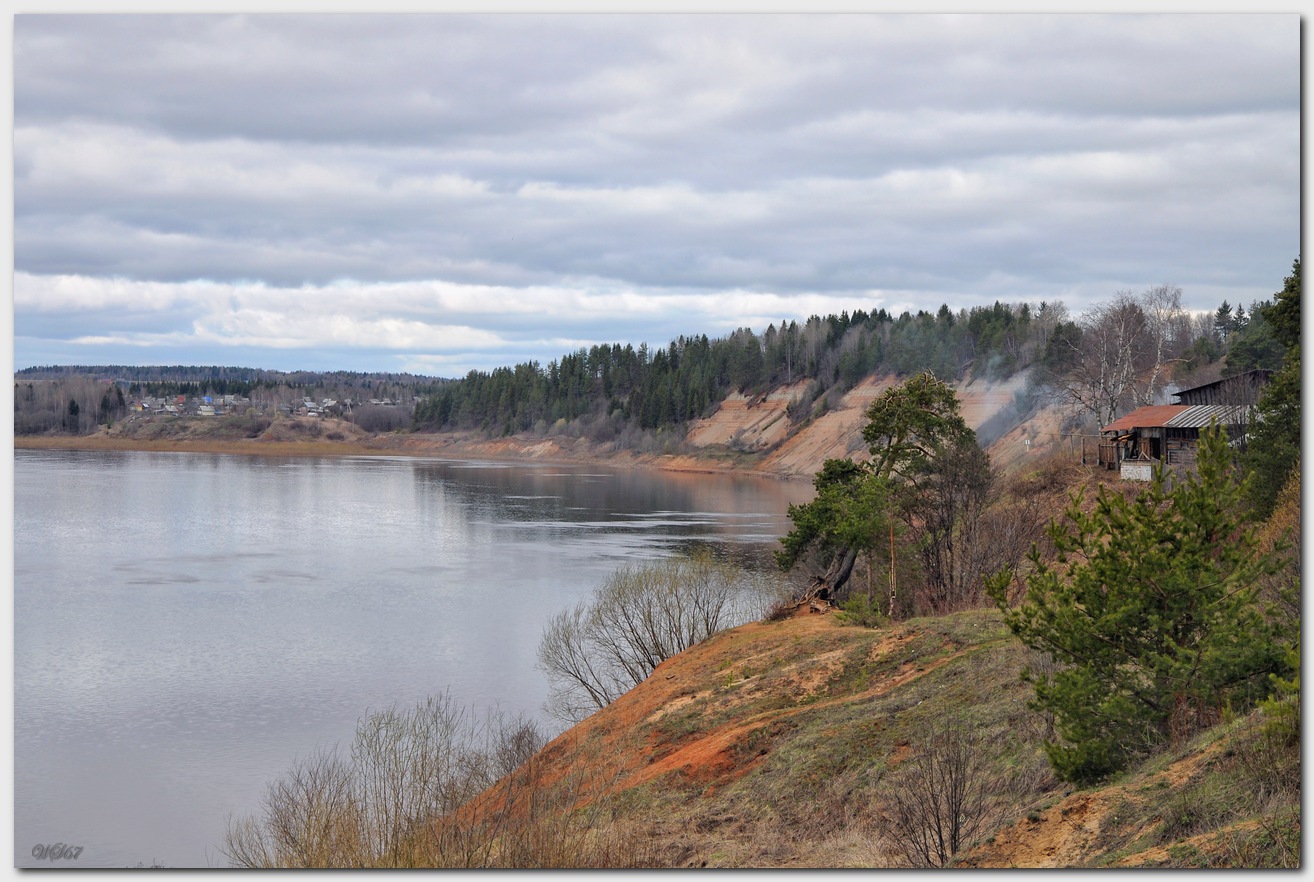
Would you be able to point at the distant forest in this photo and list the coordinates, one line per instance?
(610, 391)
(627, 395)
(616, 386)
(77, 399)
(223, 379)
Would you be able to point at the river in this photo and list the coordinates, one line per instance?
(186, 625)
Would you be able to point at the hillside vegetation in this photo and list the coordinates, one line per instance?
(804, 742)
(833, 739)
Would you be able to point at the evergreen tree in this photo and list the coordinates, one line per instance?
(1274, 448)
(849, 515)
(923, 455)
(1152, 613)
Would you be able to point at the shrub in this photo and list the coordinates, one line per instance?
(946, 796)
(435, 786)
(640, 616)
(859, 610)
(378, 806)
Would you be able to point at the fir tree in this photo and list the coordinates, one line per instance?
(1151, 611)
(1275, 445)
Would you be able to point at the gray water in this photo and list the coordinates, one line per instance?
(186, 625)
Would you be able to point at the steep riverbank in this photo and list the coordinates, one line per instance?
(789, 743)
(751, 436)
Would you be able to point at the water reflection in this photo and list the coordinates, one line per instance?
(187, 624)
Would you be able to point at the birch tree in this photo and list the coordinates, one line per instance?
(1120, 358)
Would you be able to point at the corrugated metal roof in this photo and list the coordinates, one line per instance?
(1146, 417)
(1256, 376)
(1198, 416)
(1179, 416)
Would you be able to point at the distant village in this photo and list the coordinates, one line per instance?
(219, 405)
(79, 400)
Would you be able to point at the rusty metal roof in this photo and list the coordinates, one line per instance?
(1180, 416)
(1146, 417)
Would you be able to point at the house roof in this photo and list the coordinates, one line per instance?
(1252, 377)
(1179, 416)
(1145, 417)
(1199, 416)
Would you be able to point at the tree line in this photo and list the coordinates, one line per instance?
(78, 399)
(1117, 355)
(613, 387)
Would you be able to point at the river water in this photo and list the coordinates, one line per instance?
(186, 625)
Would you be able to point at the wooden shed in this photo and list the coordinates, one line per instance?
(1237, 389)
(1165, 433)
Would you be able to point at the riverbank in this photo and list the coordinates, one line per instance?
(277, 441)
(252, 447)
(743, 436)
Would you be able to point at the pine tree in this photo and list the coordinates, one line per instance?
(1275, 445)
(1151, 611)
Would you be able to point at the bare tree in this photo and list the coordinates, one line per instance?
(436, 786)
(945, 797)
(308, 821)
(640, 616)
(1165, 330)
(945, 522)
(1120, 357)
(401, 798)
(1104, 371)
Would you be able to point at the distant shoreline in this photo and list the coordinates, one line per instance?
(437, 446)
(241, 448)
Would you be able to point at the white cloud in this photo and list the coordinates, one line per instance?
(494, 184)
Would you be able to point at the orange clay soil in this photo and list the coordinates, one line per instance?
(626, 743)
(1067, 834)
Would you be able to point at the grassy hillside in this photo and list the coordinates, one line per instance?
(790, 744)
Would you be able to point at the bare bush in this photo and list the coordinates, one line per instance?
(640, 616)
(436, 786)
(396, 800)
(945, 797)
(308, 820)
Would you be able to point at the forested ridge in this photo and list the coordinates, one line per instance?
(1114, 356)
(79, 399)
(649, 388)
(222, 378)
(1145, 338)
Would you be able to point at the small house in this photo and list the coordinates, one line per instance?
(1167, 434)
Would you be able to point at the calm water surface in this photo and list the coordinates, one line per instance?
(186, 625)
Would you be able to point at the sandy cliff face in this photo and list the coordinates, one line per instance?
(748, 423)
(762, 424)
(833, 435)
(743, 435)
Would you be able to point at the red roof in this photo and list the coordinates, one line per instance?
(1146, 417)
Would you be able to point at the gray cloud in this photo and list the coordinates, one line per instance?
(654, 162)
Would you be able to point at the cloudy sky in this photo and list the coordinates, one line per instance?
(439, 193)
